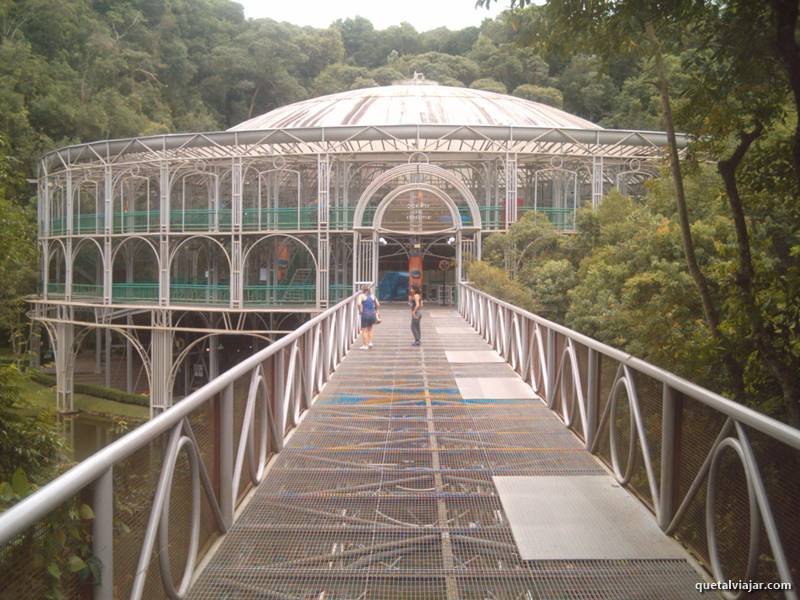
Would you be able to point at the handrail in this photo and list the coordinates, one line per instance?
(757, 420)
(304, 360)
(571, 388)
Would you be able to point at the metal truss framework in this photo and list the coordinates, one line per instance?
(200, 222)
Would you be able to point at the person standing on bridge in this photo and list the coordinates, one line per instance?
(368, 306)
(415, 302)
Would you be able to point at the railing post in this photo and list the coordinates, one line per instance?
(281, 409)
(325, 347)
(103, 533)
(592, 396)
(225, 458)
(308, 379)
(670, 454)
(550, 358)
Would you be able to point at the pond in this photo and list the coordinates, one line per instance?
(86, 433)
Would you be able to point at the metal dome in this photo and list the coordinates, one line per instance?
(415, 104)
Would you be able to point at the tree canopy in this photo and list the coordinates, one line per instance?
(79, 70)
(728, 73)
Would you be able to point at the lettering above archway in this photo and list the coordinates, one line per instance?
(417, 210)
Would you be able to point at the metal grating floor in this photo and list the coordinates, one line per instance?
(385, 491)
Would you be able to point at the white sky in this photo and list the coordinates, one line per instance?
(422, 14)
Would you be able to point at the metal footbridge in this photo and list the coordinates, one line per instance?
(507, 457)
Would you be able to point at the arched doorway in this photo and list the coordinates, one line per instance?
(416, 223)
(416, 228)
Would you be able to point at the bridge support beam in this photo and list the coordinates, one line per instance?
(511, 189)
(161, 360)
(63, 347)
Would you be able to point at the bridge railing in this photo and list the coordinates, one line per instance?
(719, 476)
(161, 495)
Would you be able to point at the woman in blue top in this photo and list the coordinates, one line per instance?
(368, 306)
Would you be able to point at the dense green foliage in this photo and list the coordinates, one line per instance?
(81, 70)
(28, 441)
(706, 273)
(31, 453)
(84, 70)
(622, 279)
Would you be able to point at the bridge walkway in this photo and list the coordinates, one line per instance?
(387, 489)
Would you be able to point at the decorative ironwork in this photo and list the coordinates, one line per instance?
(546, 356)
(282, 382)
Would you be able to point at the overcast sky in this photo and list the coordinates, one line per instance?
(422, 14)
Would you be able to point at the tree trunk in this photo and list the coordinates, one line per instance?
(786, 14)
(253, 102)
(767, 342)
(709, 308)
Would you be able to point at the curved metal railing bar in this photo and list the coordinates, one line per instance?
(571, 390)
(299, 366)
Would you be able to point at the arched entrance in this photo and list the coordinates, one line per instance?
(416, 234)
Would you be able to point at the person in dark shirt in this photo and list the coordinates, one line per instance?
(415, 302)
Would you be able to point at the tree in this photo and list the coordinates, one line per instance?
(587, 90)
(545, 95)
(550, 280)
(445, 41)
(495, 281)
(18, 261)
(489, 85)
(27, 442)
(741, 61)
(360, 42)
(386, 75)
(439, 67)
(338, 78)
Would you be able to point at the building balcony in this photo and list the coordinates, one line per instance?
(218, 295)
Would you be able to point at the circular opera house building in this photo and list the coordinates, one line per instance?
(165, 259)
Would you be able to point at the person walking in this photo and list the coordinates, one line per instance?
(368, 306)
(415, 302)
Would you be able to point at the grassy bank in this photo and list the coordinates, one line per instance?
(44, 397)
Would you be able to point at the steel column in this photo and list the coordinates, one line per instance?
(103, 533)
(323, 230)
(64, 340)
(597, 181)
(511, 189)
(161, 362)
(670, 452)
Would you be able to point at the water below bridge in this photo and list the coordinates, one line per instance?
(431, 472)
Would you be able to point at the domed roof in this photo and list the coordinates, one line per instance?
(415, 104)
